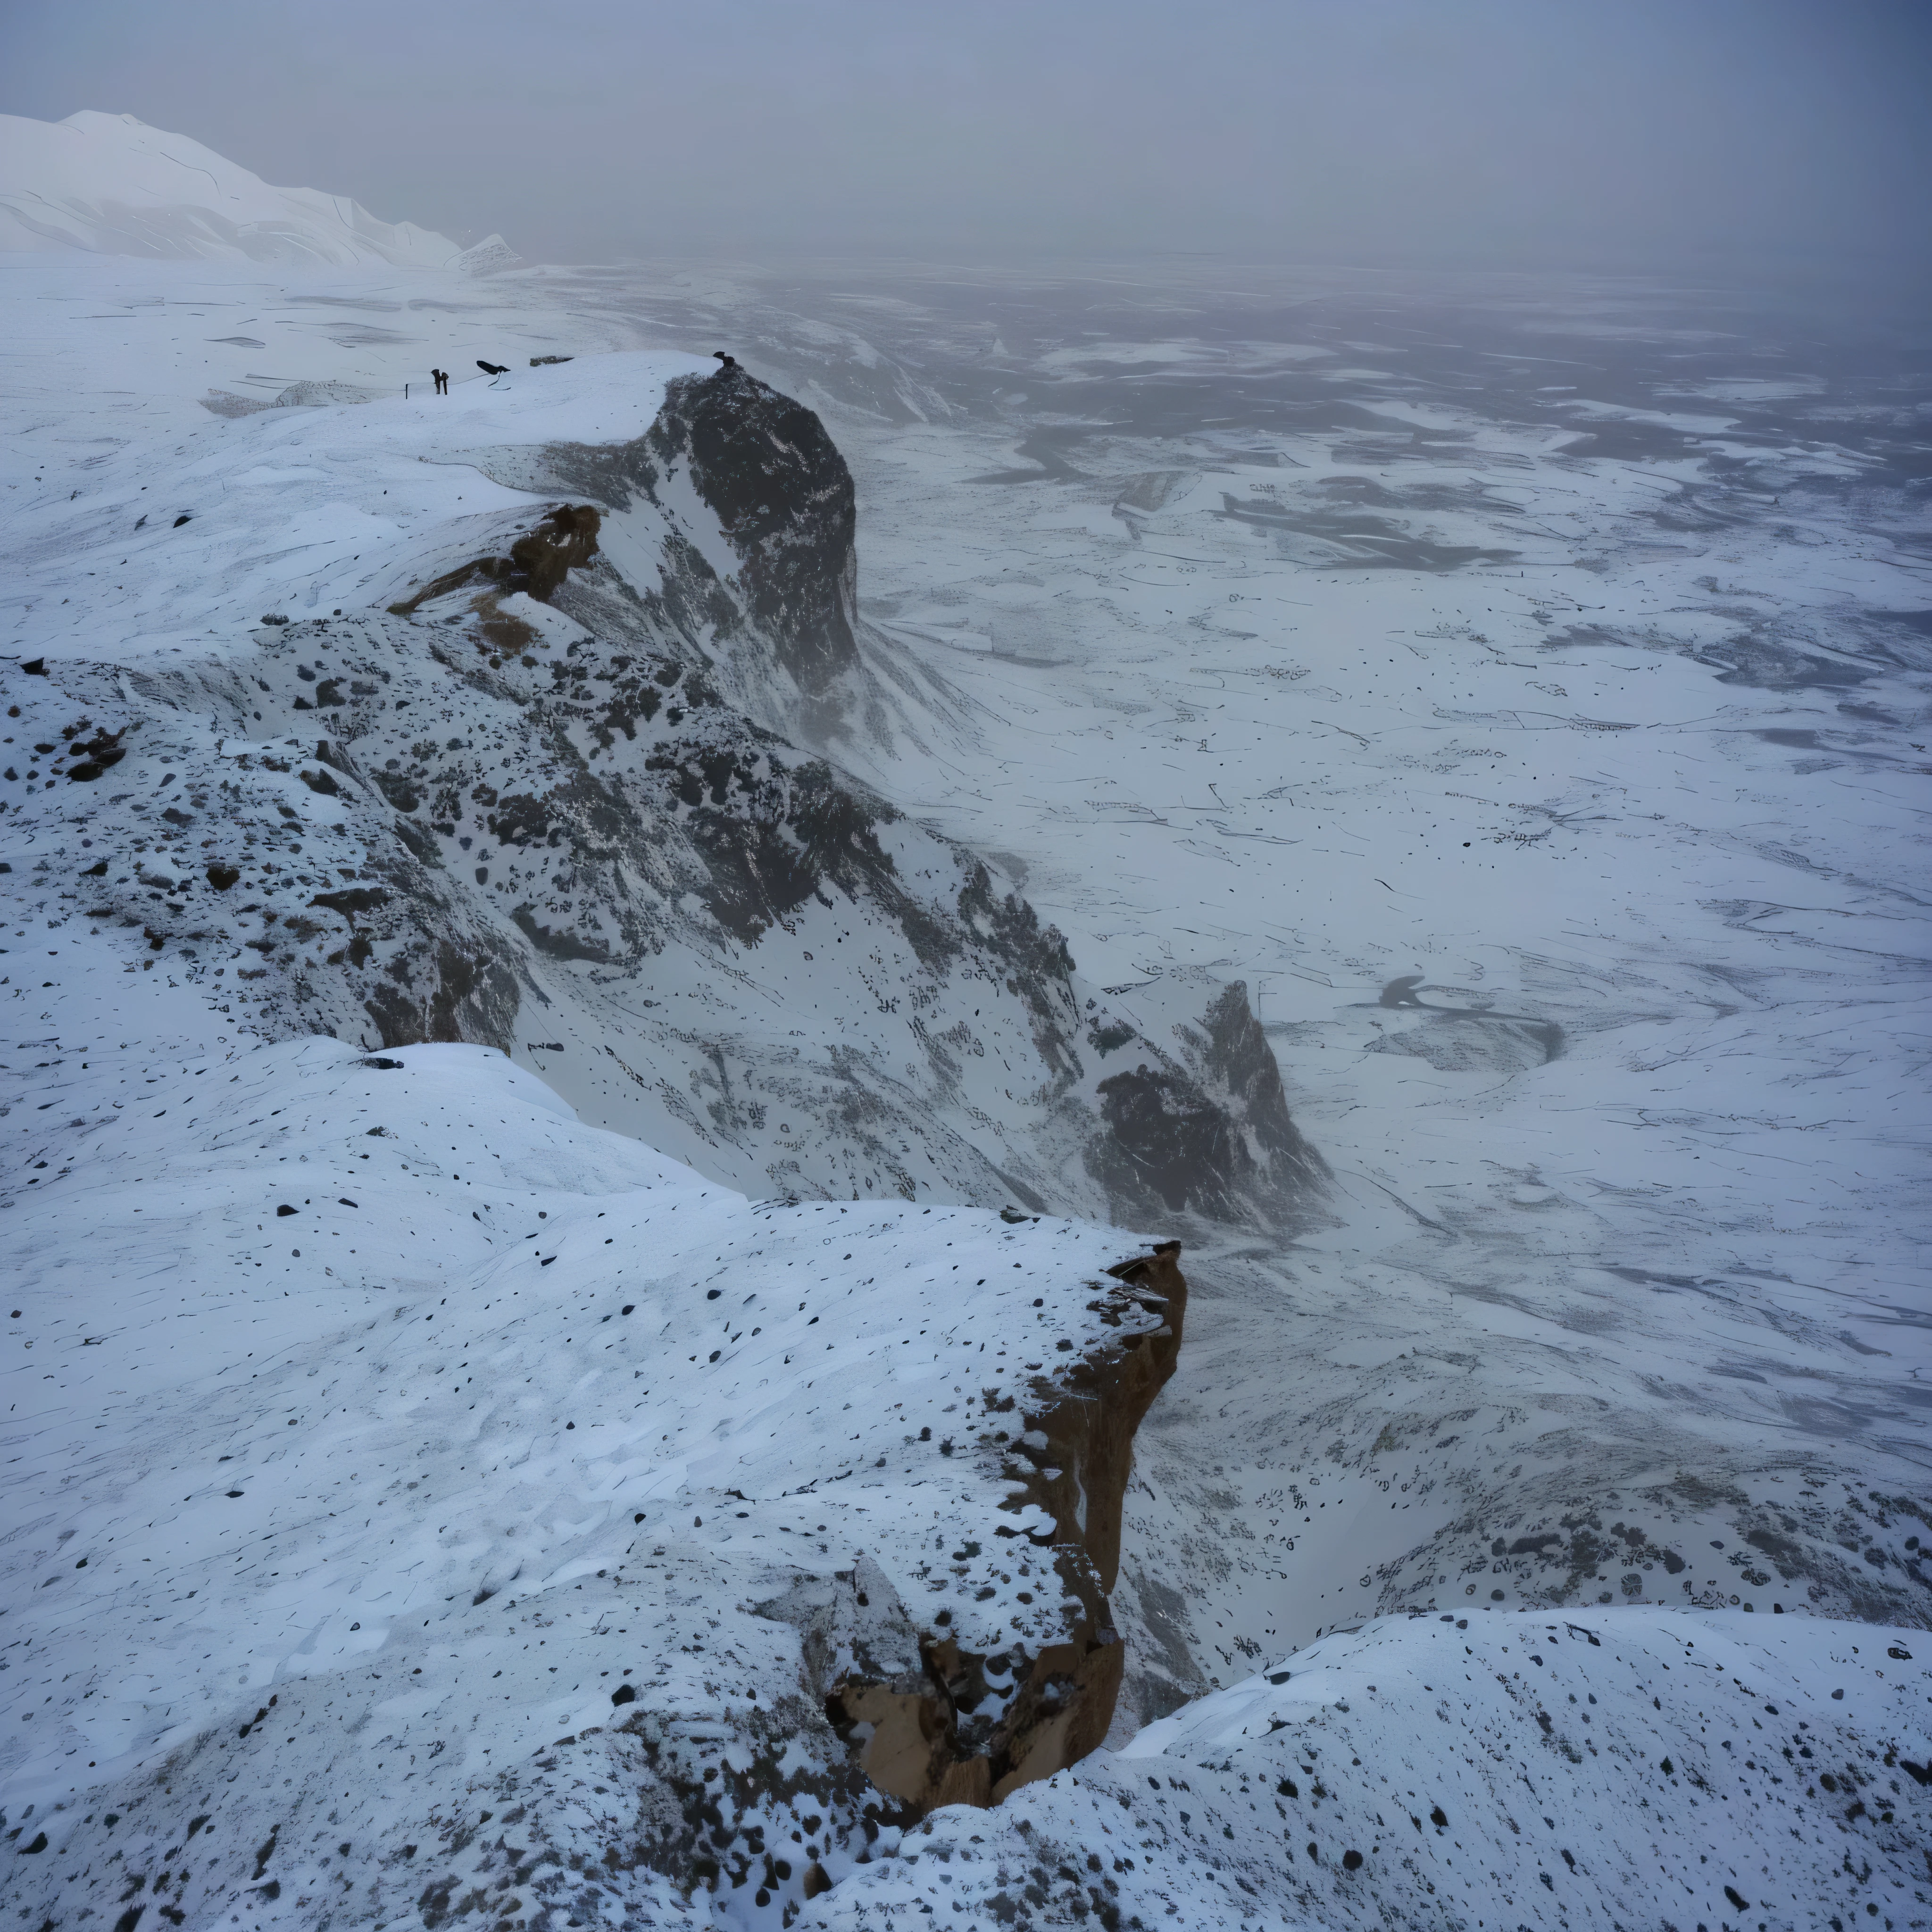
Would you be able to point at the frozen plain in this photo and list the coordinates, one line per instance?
(1623, 1247)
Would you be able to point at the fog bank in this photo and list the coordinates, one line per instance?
(1768, 138)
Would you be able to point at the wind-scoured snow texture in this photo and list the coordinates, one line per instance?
(109, 185)
(370, 1487)
(502, 786)
(1609, 1769)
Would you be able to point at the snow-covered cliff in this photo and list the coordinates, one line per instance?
(506, 767)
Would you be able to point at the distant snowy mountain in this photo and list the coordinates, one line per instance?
(112, 185)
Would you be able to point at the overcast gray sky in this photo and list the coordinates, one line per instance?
(1668, 134)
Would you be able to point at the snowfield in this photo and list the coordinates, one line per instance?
(655, 939)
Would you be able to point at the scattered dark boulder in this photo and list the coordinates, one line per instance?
(352, 900)
(96, 754)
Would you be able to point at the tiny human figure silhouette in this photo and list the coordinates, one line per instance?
(441, 381)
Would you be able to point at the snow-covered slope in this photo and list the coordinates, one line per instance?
(391, 1427)
(1609, 1769)
(425, 1506)
(109, 184)
(275, 510)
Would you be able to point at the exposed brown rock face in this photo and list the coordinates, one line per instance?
(539, 559)
(933, 1728)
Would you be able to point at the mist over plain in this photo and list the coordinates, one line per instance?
(1775, 141)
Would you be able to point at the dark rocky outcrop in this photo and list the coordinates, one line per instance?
(770, 617)
(784, 498)
(1211, 1136)
(585, 825)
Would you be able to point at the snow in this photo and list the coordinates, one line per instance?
(109, 184)
(1601, 1768)
(1544, 769)
(303, 505)
(304, 1411)
(183, 1218)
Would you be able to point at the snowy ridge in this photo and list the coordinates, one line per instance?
(301, 508)
(109, 185)
(508, 742)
